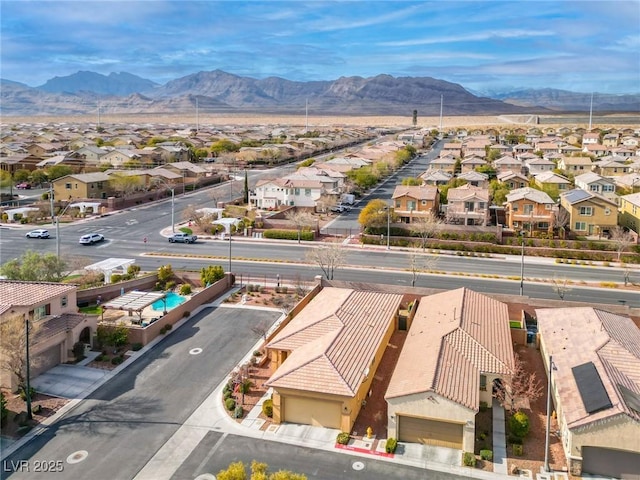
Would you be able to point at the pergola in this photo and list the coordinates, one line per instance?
(84, 205)
(109, 265)
(135, 301)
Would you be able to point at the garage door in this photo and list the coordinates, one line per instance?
(611, 463)
(46, 360)
(430, 432)
(311, 412)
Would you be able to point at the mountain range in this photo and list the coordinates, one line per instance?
(85, 92)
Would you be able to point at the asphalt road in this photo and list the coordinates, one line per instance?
(124, 422)
(216, 451)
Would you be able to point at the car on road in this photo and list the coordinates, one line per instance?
(182, 237)
(40, 233)
(340, 208)
(23, 186)
(91, 238)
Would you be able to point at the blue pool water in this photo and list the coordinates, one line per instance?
(172, 299)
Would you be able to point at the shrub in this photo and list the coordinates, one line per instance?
(211, 274)
(78, 350)
(469, 459)
(230, 403)
(518, 450)
(185, 289)
(163, 330)
(186, 314)
(117, 360)
(515, 440)
(288, 234)
(267, 408)
(116, 277)
(343, 438)
(136, 346)
(257, 353)
(23, 393)
(100, 358)
(170, 285)
(168, 327)
(519, 424)
(486, 455)
(237, 413)
(390, 445)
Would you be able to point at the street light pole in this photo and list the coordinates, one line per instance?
(229, 248)
(28, 391)
(522, 266)
(173, 209)
(388, 227)
(546, 444)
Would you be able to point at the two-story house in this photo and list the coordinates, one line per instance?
(513, 180)
(413, 202)
(575, 165)
(468, 205)
(446, 164)
(552, 183)
(57, 326)
(611, 167)
(529, 210)
(629, 212)
(507, 163)
(435, 177)
(592, 182)
(536, 166)
(82, 186)
(589, 212)
(471, 163)
(477, 179)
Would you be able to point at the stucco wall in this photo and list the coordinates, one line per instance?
(622, 433)
(108, 292)
(432, 406)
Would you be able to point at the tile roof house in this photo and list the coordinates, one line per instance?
(592, 182)
(468, 205)
(413, 202)
(552, 183)
(589, 212)
(82, 186)
(513, 180)
(629, 212)
(611, 167)
(507, 163)
(325, 358)
(536, 166)
(575, 165)
(477, 179)
(52, 307)
(435, 177)
(530, 210)
(595, 387)
(457, 346)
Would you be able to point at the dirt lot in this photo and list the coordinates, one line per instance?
(48, 406)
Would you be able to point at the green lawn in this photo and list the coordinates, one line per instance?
(91, 310)
(514, 323)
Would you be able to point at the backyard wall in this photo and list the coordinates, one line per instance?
(144, 335)
(108, 292)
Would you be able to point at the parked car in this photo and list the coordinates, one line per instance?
(24, 186)
(338, 209)
(91, 238)
(40, 233)
(182, 237)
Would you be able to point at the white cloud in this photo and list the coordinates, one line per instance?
(473, 37)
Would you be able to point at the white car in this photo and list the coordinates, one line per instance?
(91, 238)
(40, 233)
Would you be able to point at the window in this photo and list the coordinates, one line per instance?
(483, 383)
(607, 211)
(516, 224)
(67, 186)
(608, 188)
(63, 301)
(424, 202)
(307, 192)
(594, 188)
(548, 206)
(528, 209)
(411, 205)
(543, 225)
(297, 190)
(397, 203)
(586, 211)
(580, 226)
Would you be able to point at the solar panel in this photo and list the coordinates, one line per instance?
(592, 391)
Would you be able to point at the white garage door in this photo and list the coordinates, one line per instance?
(430, 432)
(611, 463)
(308, 411)
(46, 360)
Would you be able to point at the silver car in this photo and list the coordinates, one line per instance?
(91, 238)
(40, 233)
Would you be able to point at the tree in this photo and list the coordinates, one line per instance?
(374, 214)
(329, 258)
(420, 263)
(426, 227)
(5, 179)
(223, 146)
(39, 176)
(13, 343)
(498, 191)
(561, 286)
(561, 220)
(165, 274)
(259, 471)
(412, 181)
(35, 267)
(193, 214)
(622, 239)
(211, 274)
(300, 219)
(58, 171)
(125, 184)
(522, 385)
(21, 175)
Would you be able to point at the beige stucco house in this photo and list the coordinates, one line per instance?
(53, 309)
(457, 346)
(589, 213)
(468, 205)
(414, 202)
(81, 186)
(530, 210)
(325, 358)
(595, 388)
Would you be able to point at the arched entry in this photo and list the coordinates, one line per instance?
(85, 336)
(498, 388)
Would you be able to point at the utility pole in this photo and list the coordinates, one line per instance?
(28, 390)
(591, 111)
(441, 101)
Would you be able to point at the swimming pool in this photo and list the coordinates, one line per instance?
(172, 299)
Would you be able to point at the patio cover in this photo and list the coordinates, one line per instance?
(109, 265)
(134, 301)
(226, 222)
(83, 206)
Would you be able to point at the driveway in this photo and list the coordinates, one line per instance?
(70, 381)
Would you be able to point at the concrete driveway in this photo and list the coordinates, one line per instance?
(70, 381)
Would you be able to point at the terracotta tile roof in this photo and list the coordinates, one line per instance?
(468, 191)
(52, 326)
(333, 340)
(610, 341)
(420, 192)
(528, 193)
(455, 336)
(22, 294)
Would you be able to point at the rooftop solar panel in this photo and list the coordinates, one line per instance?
(592, 391)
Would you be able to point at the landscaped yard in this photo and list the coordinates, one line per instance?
(43, 406)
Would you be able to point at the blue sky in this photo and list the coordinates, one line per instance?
(486, 46)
